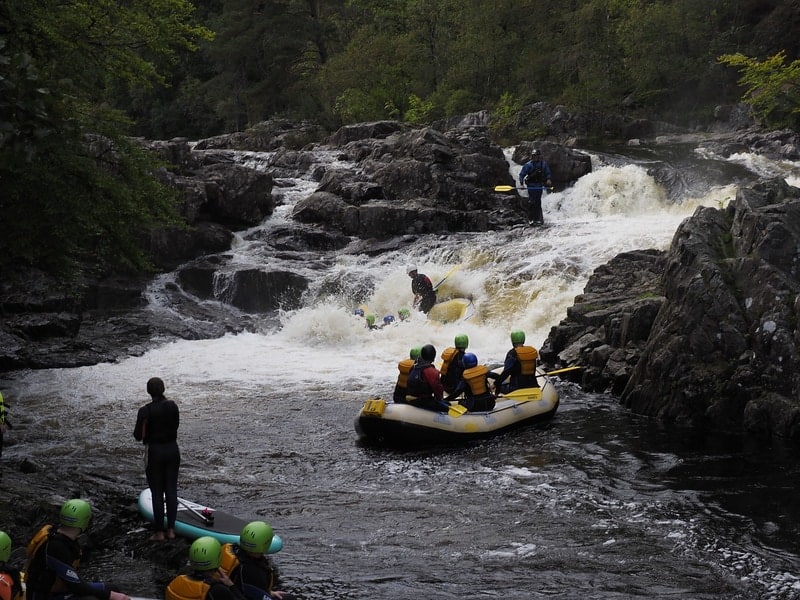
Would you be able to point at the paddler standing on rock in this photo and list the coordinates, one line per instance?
(422, 288)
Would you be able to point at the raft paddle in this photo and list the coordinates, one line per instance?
(441, 281)
(564, 370)
(508, 188)
(523, 394)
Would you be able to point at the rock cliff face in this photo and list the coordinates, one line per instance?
(706, 334)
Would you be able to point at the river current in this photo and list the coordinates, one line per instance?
(598, 503)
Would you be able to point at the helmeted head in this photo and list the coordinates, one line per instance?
(404, 314)
(359, 312)
(461, 341)
(428, 352)
(517, 337)
(5, 547)
(411, 270)
(535, 154)
(256, 537)
(205, 554)
(388, 319)
(470, 360)
(415, 352)
(370, 319)
(155, 386)
(75, 513)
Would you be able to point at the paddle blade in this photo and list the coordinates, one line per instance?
(456, 410)
(504, 188)
(564, 370)
(450, 272)
(524, 395)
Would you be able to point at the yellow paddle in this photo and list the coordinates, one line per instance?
(564, 370)
(508, 188)
(450, 272)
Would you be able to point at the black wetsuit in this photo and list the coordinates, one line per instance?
(421, 286)
(157, 427)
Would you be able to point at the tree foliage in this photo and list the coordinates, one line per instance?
(772, 87)
(71, 184)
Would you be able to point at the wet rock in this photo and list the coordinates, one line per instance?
(704, 335)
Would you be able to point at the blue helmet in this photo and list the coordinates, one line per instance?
(388, 319)
(470, 360)
(359, 312)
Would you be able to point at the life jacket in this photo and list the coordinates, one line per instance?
(536, 174)
(527, 356)
(231, 564)
(417, 386)
(452, 368)
(185, 587)
(8, 591)
(228, 559)
(404, 366)
(448, 354)
(476, 379)
(39, 538)
(37, 541)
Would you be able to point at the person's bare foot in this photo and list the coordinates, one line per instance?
(170, 534)
(158, 536)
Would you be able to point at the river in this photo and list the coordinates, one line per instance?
(598, 503)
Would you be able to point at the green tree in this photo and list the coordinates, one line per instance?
(772, 87)
(72, 187)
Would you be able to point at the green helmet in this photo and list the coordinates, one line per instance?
(256, 537)
(205, 554)
(75, 513)
(5, 547)
(461, 341)
(370, 319)
(517, 337)
(415, 352)
(404, 314)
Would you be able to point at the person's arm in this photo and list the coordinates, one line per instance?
(548, 176)
(525, 169)
(141, 423)
(432, 378)
(457, 391)
(224, 590)
(75, 585)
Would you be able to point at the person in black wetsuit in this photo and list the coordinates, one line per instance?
(422, 288)
(157, 428)
(52, 572)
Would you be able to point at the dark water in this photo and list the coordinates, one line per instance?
(596, 504)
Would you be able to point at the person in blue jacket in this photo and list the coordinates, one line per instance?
(535, 175)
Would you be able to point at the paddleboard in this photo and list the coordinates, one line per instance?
(196, 520)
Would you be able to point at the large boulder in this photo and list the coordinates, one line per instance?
(704, 335)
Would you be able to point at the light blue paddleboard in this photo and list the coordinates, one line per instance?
(196, 520)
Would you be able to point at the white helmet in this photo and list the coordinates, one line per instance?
(411, 269)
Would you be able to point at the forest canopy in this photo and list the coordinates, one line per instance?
(78, 77)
